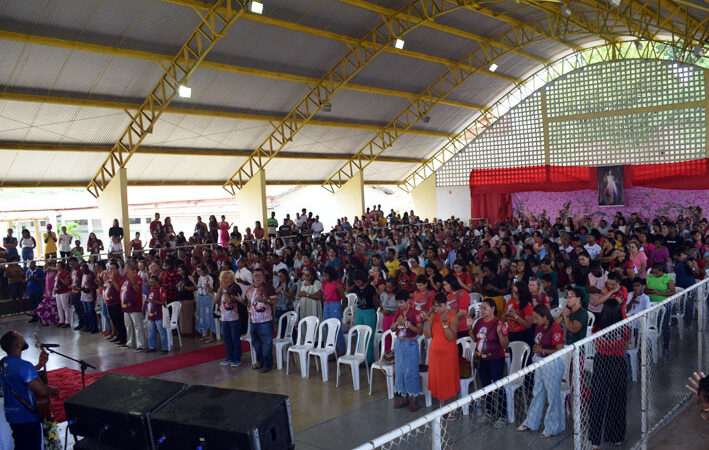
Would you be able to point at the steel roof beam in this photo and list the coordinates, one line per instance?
(230, 68)
(168, 183)
(212, 28)
(94, 103)
(284, 24)
(355, 59)
(190, 151)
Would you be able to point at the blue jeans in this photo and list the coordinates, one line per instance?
(491, 371)
(90, 315)
(205, 317)
(368, 317)
(27, 253)
(262, 340)
(406, 367)
(104, 314)
(232, 339)
(78, 307)
(155, 326)
(333, 310)
(27, 436)
(547, 386)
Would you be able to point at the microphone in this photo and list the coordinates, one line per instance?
(35, 340)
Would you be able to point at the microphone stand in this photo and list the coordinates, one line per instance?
(83, 364)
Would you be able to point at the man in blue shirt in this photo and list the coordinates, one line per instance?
(20, 386)
(35, 284)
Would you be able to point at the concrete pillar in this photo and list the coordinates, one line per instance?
(113, 204)
(252, 201)
(424, 198)
(350, 198)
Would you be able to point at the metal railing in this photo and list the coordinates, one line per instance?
(653, 386)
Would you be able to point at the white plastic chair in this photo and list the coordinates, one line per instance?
(307, 333)
(356, 354)
(468, 347)
(172, 312)
(474, 310)
(378, 331)
(217, 322)
(520, 352)
(348, 318)
(388, 369)
(296, 309)
(566, 380)
(654, 331)
(678, 313)
(247, 338)
(591, 321)
(476, 297)
(286, 324)
(424, 346)
(326, 346)
(632, 353)
(352, 300)
(589, 349)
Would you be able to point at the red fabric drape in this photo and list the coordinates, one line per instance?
(490, 189)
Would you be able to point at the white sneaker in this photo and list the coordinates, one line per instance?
(226, 362)
(236, 364)
(522, 428)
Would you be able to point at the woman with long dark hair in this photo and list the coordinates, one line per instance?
(518, 315)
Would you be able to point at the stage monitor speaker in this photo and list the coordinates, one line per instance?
(213, 418)
(113, 409)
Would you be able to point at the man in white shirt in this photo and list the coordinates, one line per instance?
(65, 241)
(592, 247)
(243, 275)
(317, 227)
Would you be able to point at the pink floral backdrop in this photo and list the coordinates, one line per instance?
(648, 202)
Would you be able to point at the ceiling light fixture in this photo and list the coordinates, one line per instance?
(327, 107)
(638, 45)
(493, 67)
(615, 3)
(184, 91)
(398, 43)
(256, 7)
(426, 119)
(565, 10)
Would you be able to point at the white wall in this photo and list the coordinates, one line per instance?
(453, 201)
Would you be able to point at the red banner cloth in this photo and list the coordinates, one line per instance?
(490, 189)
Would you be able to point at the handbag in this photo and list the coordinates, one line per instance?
(476, 361)
(388, 357)
(464, 368)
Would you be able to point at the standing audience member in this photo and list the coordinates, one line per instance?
(333, 298)
(548, 339)
(47, 308)
(15, 281)
(115, 231)
(609, 382)
(441, 327)
(10, 244)
(491, 340)
(260, 298)
(205, 295)
(88, 298)
(154, 315)
(367, 304)
(65, 240)
(35, 283)
(50, 243)
(112, 297)
(310, 294)
(658, 286)
(408, 325)
(28, 244)
(227, 297)
(62, 292)
(132, 306)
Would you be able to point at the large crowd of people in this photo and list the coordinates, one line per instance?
(420, 274)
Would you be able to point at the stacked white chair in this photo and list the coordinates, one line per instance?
(424, 346)
(171, 321)
(378, 331)
(307, 335)
(357, 354)
(326, 346)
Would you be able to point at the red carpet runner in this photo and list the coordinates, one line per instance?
(69, 380)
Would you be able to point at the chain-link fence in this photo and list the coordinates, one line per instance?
(613, 388)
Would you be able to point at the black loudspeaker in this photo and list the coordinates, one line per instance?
(212, 418)
(113, 409)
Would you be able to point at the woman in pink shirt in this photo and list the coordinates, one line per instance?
(638, 258)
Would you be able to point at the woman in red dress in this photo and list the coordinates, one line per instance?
(443, 372)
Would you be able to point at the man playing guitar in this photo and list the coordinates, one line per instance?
(26, 394)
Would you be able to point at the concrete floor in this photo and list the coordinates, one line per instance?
(327, 417)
